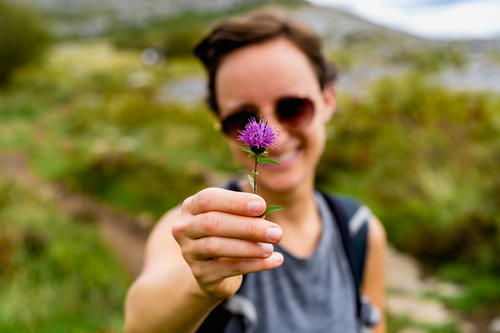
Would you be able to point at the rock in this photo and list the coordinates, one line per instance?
(419, 310)
(187, 90)
(495, 325)
(444, 289)
(401, 273)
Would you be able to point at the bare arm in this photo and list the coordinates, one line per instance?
(165, 287)
(195, 258)
(373, 282)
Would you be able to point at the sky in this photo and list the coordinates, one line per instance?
(435, 19)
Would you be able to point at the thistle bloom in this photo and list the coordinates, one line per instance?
(257, 136)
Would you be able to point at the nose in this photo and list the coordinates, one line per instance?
(282, 132)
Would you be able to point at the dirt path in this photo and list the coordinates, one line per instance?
(127, 235)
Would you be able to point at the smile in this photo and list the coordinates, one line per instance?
(285, 159)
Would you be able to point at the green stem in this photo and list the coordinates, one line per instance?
(255, 176)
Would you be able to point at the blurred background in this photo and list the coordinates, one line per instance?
(103, 129)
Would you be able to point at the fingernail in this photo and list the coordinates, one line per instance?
(273, 234)
(255, 207)
(268, 248)
(277, 257)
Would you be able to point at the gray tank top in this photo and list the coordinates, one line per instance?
(315, 294)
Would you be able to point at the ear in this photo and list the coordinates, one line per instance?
(330, 101)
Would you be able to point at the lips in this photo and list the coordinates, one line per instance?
(284, 159)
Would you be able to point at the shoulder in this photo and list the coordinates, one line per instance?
(358, 215)
(377, 244)
(376, 235)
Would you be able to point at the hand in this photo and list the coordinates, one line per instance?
(221, 238)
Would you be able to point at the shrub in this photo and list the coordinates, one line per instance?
(426, 160)
(23, 37)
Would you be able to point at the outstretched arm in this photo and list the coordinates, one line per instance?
(195, 258)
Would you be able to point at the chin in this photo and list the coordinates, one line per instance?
(283, 182)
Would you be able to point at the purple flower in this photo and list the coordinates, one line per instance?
(257, 136)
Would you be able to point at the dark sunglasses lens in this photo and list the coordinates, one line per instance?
(295, 112)
(237, 122)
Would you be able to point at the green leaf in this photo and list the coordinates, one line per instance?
(249, 151)
(251, 180)
(268, 161)
(272, 208)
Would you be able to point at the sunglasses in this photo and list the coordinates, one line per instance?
(291, 112)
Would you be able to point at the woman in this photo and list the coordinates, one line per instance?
(212, 264)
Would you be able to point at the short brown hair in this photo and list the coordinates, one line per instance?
(258, 27)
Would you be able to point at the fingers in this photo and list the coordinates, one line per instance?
(221, 237)
(214, 270)
(217, 199)
(216, 247)
(233, 226)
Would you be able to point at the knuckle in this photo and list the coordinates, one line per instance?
(178, 229)
(210, 222)
(234, 201)
(203, 199)
(211, 246)
(185, 204)
(254, 230)
(238, 267)
(186, 251)
(197, 270)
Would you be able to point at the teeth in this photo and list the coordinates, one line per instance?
(285, 156)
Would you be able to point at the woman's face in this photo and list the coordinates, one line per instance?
(260, 74)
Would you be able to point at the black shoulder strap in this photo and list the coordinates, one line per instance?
(232, 186)
(342, 221)
(358, 232)
(216, 321)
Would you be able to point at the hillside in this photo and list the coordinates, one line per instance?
(364, 51)
(112, 112)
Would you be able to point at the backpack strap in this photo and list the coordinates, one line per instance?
(232, 186)
(352, 219)
(357, 217)
(342, 221)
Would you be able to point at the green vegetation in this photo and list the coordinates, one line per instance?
(23, 38)
(428, 60)
(99, 121)
(55, 273)
(103, 134)
(381, 47)
(425, 159)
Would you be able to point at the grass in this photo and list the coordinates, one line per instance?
(55, 272)
(424, 158)
(93, 130)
